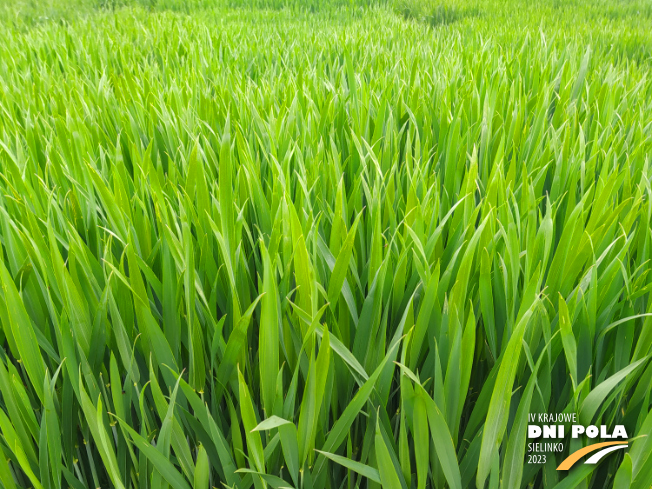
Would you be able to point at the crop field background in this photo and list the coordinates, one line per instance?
(322, 244)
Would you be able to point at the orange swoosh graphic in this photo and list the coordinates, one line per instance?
(575, 456)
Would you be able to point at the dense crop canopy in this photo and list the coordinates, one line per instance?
(352, 247)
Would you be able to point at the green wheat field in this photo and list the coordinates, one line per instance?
(322, 244)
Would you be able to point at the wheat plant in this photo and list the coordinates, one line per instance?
(322, 245)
